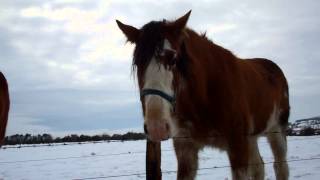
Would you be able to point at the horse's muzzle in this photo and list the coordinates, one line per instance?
(157, 131)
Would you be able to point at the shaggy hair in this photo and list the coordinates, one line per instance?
(150, 42)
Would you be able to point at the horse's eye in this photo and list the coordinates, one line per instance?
(169, 57)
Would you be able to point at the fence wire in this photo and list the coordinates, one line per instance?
(141, 174)
(114, 154)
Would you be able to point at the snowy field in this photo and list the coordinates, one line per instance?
(116, 160)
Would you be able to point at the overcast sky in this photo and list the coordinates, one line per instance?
(69, 69)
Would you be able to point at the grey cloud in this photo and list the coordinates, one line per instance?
(76, 109)
(50, 98)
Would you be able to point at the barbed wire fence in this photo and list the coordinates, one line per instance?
(140, 174)
(199, 169)
(110, 154)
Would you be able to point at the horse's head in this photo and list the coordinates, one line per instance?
(155, 59)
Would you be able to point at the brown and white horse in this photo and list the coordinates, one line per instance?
(200, 94)
(4, 106)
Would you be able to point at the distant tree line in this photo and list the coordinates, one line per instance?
(47, 138)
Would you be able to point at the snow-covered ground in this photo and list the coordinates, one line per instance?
(103, 160)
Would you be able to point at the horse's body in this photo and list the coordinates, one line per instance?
(4, 106)
(220, 100)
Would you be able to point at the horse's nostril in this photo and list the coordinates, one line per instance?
(145, 129)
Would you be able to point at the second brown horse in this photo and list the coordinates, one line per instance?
(4, 106)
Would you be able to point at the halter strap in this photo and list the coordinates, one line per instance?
(169, 98)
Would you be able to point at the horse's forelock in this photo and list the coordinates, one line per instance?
(149, 44)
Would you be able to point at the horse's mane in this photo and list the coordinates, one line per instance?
(217, 48)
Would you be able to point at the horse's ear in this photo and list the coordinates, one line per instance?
(131, 32)
(178, 25)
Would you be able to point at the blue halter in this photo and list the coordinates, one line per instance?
(169, 98)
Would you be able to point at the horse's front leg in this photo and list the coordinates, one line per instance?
(187, 156)
(238, 153)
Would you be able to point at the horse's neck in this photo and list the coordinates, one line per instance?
(212, 73)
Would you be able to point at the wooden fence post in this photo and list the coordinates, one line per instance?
(153, 161)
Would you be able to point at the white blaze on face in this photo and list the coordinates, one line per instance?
(167, 46)
(157, 77)
(157, 109)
